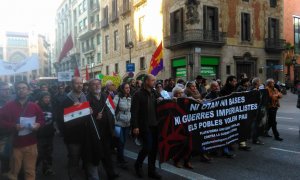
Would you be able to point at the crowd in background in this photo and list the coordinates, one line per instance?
(92, 140)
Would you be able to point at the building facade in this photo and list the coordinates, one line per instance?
(292, 36)
(81, 20)
(216, 38)
(17, 46)
(131, 31)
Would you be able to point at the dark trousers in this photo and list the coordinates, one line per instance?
(45, 150)
(75, 172)
(149, 148)
(272, 123)
(107, 158)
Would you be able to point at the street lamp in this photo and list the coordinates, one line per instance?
(129, 46)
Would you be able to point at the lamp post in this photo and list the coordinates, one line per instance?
(129, 46)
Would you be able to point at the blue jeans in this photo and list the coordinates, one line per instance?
(121, 144)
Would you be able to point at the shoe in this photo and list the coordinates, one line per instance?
(154, 175)
(188, 165)
(229, 155)
(138, 171)
(267, 135)
(49, 172)
(244, 148)
(258, 142)
(177, 164)
(278, 139)
(205, 158)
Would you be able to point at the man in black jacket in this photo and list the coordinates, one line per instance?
(95, 149)
(145, 124)
(74, 131)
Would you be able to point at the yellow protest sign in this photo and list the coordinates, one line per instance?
(115, 79)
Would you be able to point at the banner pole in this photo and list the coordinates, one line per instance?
(95, 127)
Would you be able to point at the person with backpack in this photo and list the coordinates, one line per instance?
(122, 103)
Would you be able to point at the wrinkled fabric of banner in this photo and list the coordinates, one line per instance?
(209, 125)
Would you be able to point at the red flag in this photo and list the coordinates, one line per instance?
(87, 75)
(67, 47)
(76, 71)
(76, 111)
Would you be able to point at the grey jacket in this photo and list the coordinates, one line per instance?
(123, 114)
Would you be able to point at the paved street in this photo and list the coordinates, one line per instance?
(274, 160)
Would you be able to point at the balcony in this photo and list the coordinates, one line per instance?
(275, 45)
(104, 23)
(138, 2)
(126, 10)
(89, 31)
(88, 49)
(94, 8)
(195, 37)
(114, 17)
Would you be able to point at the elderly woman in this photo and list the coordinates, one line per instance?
(185, 151)
(273, 106)
(192, 92)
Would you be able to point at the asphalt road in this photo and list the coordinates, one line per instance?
(274, 160)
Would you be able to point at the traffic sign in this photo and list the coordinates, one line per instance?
(130, 67)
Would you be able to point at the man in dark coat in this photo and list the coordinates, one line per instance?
(229, 87)
(95, 149)
(74, 131)
(145, 124)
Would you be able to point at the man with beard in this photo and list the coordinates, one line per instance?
(74, 131)
(95, 149)
(145, 124)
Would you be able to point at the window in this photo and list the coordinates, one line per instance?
(126, 6)
(80, 8)
(142, 63)
(92, 41)
(81, 27)
(141, 25)
(84, 5)
(245, 27)
(297, 34)
(246, 0)
(92, 20)
(82, 46)
(106, 44)
(210, 18)
(127, 34)
(273, 28)
(116, 40)
(127, 62)
(114, 9)
(273, 3)
(228, 69)
(176, 21)
(107, 70)
(99, 58)
(98, 39)
(116, 68)
(105, 12)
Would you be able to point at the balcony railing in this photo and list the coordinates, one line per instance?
(88, 49)
(275, 45)
(104, 23)
(196, 36)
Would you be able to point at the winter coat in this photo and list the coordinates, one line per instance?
(123, 114)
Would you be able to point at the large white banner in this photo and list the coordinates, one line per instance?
(26, 65)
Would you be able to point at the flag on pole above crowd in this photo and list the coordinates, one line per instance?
(157, 63)
(76, 71)
(66, 48)
(110, 104)
(77, 111)
(87, 75)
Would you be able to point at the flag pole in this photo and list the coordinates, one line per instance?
(92, 119)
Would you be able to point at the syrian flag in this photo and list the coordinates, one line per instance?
(110, 104)
(78, 111)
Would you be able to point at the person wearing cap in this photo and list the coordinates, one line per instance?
(45, 135)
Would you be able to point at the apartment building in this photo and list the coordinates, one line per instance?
(131, 31)
(219, 38)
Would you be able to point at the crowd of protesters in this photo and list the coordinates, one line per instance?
(135, 104)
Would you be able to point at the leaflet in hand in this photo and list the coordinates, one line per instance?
(27, 123)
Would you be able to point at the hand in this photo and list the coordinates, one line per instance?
(136, 131)
(77, 103)
(99, 116)
(19, 127)
(36, 126)
(159, 99)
